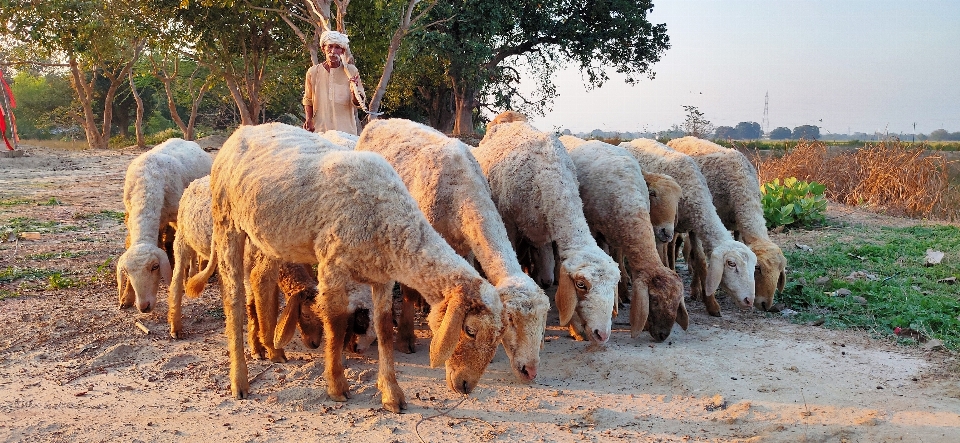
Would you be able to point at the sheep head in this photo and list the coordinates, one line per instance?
(770, 274)
(587, 287)
(733, 264)
(525, 309)
(665, 291)
(139, 272)
(466, 327)
(665, 195)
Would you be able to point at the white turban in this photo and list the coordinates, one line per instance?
(334, 38)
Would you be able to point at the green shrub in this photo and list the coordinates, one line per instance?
(793, 203)
(162, 136)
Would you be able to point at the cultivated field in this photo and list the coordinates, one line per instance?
(75, 368)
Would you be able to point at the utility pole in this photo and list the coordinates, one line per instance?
(766, 113)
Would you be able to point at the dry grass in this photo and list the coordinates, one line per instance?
(891, 176)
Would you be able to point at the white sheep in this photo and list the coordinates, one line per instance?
(735, 187)
(299, 198)
(192, 247)
(616, 203)
(534, 186)
(152, 188)
(728, 261)
(344, 139)
(447, 183)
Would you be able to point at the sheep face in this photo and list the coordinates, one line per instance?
(733, 264)
(466, 331)
(665, 291)
(360, 332)
(664, 200)
(139, 272)
(586, 294)
(525, 311)
(770, 274)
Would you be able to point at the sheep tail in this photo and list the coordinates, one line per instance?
(196, 283)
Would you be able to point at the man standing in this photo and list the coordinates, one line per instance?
(328, 100)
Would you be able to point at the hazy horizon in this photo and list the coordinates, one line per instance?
(845, 66)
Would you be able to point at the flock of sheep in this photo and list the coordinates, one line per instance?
(475, 232)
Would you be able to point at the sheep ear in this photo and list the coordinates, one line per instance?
(446, 336)
(566, 296)
(166, 274)
(782, 280)
(683, 319)
(714, 273)
(639, 307)
(288, 323)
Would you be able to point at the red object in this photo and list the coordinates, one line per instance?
(3, 115)
(897, 330)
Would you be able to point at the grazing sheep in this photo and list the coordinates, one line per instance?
(735, 188)
(535, 189)
(616, 203)
(151, 194)
(665, 195)
(447, 183)
(728, 261)
(344, 139)
(192, 247)
(299, 198)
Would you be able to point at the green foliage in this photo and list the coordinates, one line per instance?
(52, 201)
(5, 294)
(13, 273)
(55, 255)
(58, 281)
(38, 96)
(14, 202)
(118, 216)
(26, 224)
(883, 268)
(793, 203)
(162, 136)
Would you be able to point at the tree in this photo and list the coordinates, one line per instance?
(780, 133)
(38, 96)
(748, 131)
(807, 132)
(724, 133)
(96, 40)
(481, 43)
(696, 124)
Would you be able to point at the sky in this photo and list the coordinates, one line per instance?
(843, 65)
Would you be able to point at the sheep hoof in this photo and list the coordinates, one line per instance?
(241, 392)
(278, 356)
(340, 396)
(394, 406)
(176, 334)
(407, 346)
(713, 308)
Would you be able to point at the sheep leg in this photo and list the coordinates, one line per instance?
(406, 339)
(697, 262)
(231, 243)
(333, 303)
(393, 397)
(181, 269)
(265, 294)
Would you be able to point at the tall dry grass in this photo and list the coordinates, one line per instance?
(890, 176)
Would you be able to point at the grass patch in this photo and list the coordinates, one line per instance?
(15, 201)
(59, 281)
(27, 224)
(56, 255)
(117, 216)
(10, 274)
(883, 268)
(5, 294)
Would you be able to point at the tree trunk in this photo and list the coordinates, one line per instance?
(139, 123)
(245, 117)
(465, 102)
(84, 92)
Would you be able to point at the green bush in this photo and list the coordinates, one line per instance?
(162, 136)
(793, 203)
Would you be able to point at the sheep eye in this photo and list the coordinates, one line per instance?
(653, 194)
(471, 332)
(155, 267)
(758, 270)
(581, 286)
(731, 264)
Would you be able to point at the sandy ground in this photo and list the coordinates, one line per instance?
(75, 368)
